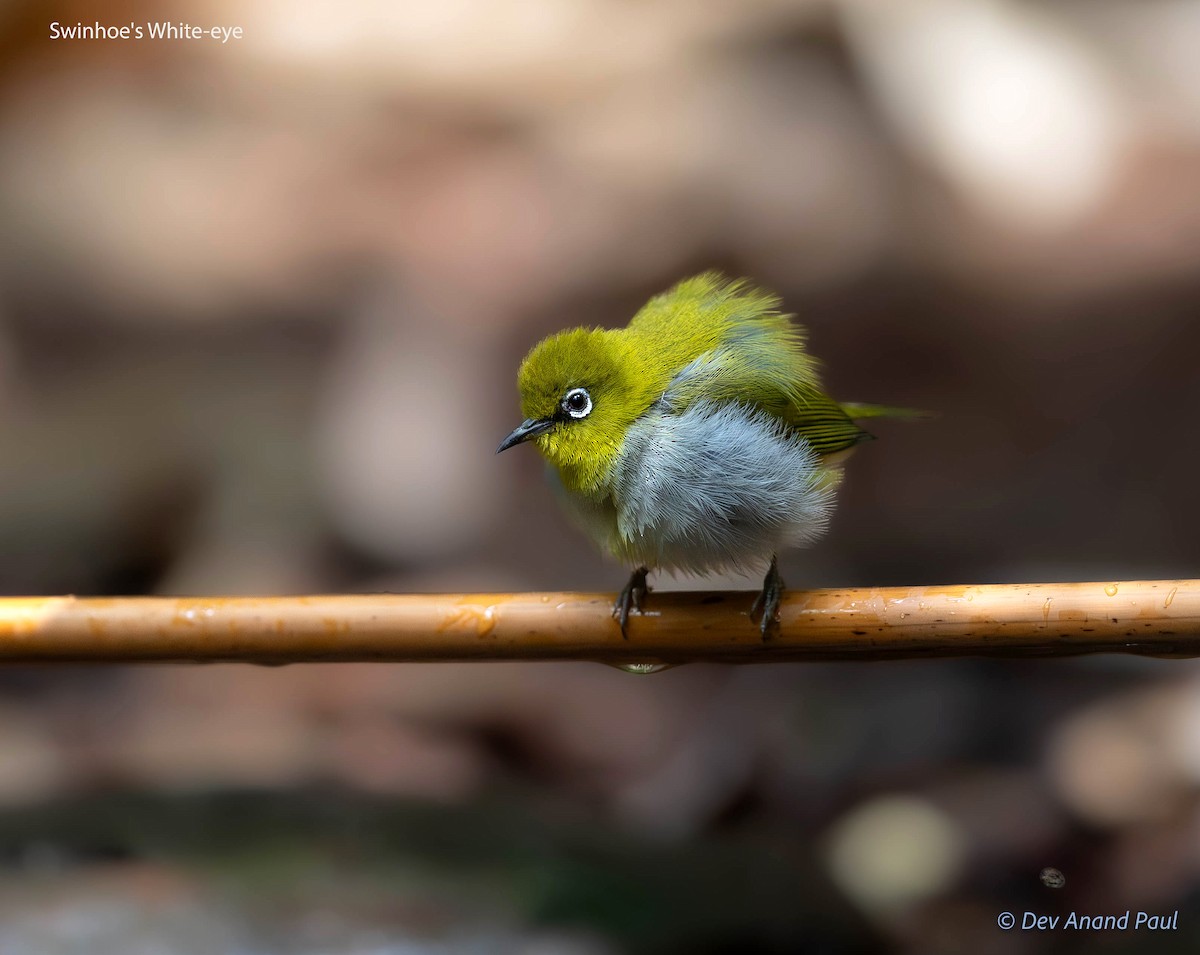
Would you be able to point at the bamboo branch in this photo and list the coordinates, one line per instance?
(1152, 618)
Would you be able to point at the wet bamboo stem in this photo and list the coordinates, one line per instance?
(1153, 618)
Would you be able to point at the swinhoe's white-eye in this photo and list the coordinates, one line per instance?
(698, 438)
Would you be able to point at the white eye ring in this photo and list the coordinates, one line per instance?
(577, 403)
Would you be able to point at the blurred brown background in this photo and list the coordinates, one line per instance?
(261, 309)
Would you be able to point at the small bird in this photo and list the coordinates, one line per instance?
(696, 439)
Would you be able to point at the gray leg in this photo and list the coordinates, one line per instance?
(767, 602)
(631, 597)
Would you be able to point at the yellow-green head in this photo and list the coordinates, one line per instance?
(580, 391)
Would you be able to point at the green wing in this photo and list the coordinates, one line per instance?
(731, 344)
(725, 341)
(825, 425)
(829, 425)
(766, 380)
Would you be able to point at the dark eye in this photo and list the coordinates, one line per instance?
(577, 403)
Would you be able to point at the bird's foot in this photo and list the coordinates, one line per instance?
(630, 598)
(766, 603)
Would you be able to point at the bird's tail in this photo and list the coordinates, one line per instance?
(859, 412)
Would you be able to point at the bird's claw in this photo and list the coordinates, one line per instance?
(630, 598)
(766, 604)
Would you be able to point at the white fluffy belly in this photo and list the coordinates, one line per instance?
(713, 487)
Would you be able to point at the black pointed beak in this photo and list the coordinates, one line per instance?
(529, 428)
